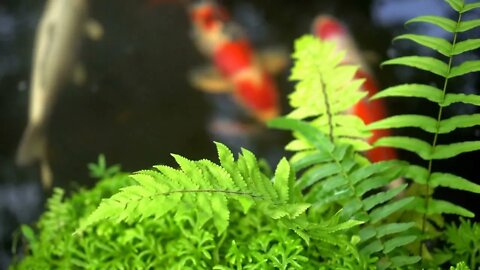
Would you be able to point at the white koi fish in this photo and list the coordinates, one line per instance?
(58, 38)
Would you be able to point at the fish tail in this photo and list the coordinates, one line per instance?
(32, 147)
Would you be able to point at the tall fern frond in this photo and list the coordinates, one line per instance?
(444, 67)
(332, 176)
(325, 90)
(203, 189)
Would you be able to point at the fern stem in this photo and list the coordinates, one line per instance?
(437, 129)
(208, 191)
(328, 109)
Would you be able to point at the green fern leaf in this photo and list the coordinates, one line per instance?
(454, 149)
(417, 146)
(399, 241)
(388, 209)
(373, 247)
(412, 90)
(464, 68)
(467, 99)
(426, 123)
(459, 121)
(470, 6)
(310, 133)
(308, 158)
(401, 261)
(468, 25)
(281, 180)
(316, 173)
(438, 207)
(426, 63)
(438, 44)
(457, 5)
(393, 228)
(382, 197)
(444, 23)
(454, 182)
(466, 45)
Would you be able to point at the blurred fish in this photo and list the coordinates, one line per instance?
(328, 28)
(58, 37)
(237, 68)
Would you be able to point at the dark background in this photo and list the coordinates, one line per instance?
(137, 106)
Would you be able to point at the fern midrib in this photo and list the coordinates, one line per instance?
(327, 109)
(437, 128)
(225, 191)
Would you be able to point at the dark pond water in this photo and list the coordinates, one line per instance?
(137, 105)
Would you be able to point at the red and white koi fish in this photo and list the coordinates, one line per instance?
(328, 28)
(236, 66)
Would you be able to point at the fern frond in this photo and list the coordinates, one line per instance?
(320, 74)
(430, 151)
(205, 187)
(331, 175)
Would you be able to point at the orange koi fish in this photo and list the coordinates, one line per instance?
(236, 66)
(328, 28)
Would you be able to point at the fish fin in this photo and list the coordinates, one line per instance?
(46, 173)
(210, 80)
(79, 74)
(32, 146)
(274, 59)
(93, 29)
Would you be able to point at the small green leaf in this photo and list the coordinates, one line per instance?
(310, 133)
(446, 24)
(417, 174)
(400, 261)
(426, 123)
(399, 241)
(425, 63)
(453, 181)
(366, 233)
(412, 90)
(308, 158)
(314, 174)
(281, 180)
(371, 248)
(221, 213)
(417, 146)
(455, 4)
(460, 121)
(471, 6)
(467, 99)
(445, 207)
(465, 46)
(439, 207)
(382, 197)
(386, 210)
(438, 44)
(464, 68)
(467, 25)
(392, 228)
(454, 149)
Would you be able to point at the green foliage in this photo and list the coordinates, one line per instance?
(332, 177)
(425, 177)
(460, 266)
(463, 243)
(101, 170)
(202, 189)
(321, 75)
